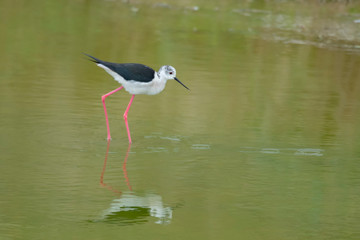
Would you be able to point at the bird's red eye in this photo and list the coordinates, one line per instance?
(171, 72)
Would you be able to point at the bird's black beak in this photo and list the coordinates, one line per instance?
(181, 83)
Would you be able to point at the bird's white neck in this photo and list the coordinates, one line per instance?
(158, 84)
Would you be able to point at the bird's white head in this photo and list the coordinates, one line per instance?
(168, 72)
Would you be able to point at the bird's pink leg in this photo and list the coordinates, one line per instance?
(125, 117)
(106, 116)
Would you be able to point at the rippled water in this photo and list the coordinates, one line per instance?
(264, 146)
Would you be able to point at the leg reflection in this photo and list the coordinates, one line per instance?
(102, 183)
(124, 168)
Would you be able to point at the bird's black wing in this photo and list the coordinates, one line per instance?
(129, 71)
(133, 71)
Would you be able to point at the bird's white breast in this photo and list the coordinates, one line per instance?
(149, 88)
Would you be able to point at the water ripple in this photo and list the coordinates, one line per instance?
(200, 146)
(294, 151)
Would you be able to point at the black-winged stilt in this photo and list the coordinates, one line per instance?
(136, 79)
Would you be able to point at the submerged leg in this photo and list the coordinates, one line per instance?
(106, 116)
(125, 117)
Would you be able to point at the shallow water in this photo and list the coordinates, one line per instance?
(264, 146)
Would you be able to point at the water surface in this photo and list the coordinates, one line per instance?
(264, 146)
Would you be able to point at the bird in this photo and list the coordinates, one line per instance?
(136, 79)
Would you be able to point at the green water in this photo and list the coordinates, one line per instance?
(264, 146)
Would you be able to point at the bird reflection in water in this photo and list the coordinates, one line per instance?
(131, 208)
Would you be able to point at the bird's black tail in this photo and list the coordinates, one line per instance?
(93, 59)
